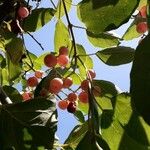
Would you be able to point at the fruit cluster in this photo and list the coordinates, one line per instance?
(58, 84)
(141, 26)
(32, 82)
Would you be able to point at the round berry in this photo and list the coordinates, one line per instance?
(91, 73)
(23, 12)
(50, 60)
(32, 82)
(72, 97)
(63, 60)
(43, 92)
(63, 104)
(56, 85)
(26, 96)
(96, 91)
(67, 82)
(143, 11)
(63, 50)
(85, 85)
(83, 97)
(38, 74)
(141, 27)
(71, 107)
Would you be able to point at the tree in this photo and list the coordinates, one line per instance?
(28, 119)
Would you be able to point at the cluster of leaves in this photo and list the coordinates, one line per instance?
(113, 122)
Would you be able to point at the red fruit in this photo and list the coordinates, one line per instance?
(26, 96)
(85, 85)
(63, 104)
(23, 12)
(56, 85)
(67, 82)
(141, 27)
(71, 107)
(50, 60)
(63, 50)
(63, 60)
(83, 97)
(96, 91)
(32, 82)
(39, 74)
(91, 73)
(72, 97)
(43, 92)
(143, 11)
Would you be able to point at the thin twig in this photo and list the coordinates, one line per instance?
(53, 4)
(35, 40)
(79, 27)
(71, 31)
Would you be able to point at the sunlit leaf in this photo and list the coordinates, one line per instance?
(15, 50)
(38, 19)
(76, 135)
(116, 55)
(62, 37)
(126, 126)
(4, 76)
(12, 75)
(99, 16)
(102, 40)
(60, 9)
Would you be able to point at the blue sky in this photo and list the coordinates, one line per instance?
(118, 75)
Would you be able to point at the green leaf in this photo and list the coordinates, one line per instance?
(60, 9)
(12, 75)
(4, 76)
(126, 127)
(140, 79)
(62, 37)
(83, 107)
(107, 88)
(88, 143)
(15, 50)
(17, 125)
(12, 93)
(2, 61)
(2, 43)
(38, 19)
(102, 40)
(79, 115)
(99, 16)
(131, 32)
(75, 77)
(142, 3)
(116, 55)
(76, 135)
(83, 61)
